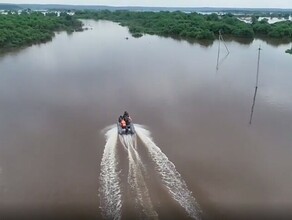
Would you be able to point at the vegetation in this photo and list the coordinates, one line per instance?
(34, 27)
(282, 29)
(175, 24)
(29, 28)
(267, 14)
(190, 25)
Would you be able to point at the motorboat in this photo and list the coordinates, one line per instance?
(125, 125)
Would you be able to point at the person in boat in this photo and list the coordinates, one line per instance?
(123, 123)
(120, 119)
(127, 118)
(126, 114)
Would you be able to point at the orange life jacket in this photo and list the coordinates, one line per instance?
(123, 123)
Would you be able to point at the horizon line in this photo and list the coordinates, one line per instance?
(84, 5)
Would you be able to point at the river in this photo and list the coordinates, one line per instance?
(57, 97)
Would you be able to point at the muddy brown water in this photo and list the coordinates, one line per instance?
(55, 99)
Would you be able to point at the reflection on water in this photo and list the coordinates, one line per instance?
(276, 42)
(204, 43)
(55, 99)
(246, 41)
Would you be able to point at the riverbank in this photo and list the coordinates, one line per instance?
(25, 29)
(19, 30)
(191, 25)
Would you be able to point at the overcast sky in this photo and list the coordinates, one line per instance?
(188, 3)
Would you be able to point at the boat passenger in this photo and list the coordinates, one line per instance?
(127, 118)
(123, 123)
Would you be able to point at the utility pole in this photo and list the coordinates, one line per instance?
(217, 66)
(220, 38)
(257, 84)
(258, 66)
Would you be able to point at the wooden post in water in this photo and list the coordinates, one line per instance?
(220, 38)
(253, 104)
(217, 66)
(256, 87)
(258, 67)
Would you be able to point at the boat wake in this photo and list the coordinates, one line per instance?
(136, 178)
(110, 189)
(169, 175)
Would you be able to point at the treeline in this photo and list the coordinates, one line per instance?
(191, 25)
(282, 29)
(267, 14)
(35, 27)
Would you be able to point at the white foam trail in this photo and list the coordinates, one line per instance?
(129, 140)
(110, 191)
(123, 142)
(170, 177)
(136, 179)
